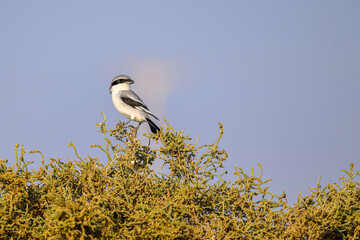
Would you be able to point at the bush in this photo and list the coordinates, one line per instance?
(124, 199)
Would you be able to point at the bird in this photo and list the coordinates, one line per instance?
(129, 104)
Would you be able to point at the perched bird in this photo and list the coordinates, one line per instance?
(129, 104)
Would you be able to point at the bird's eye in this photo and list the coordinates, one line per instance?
(116, 82)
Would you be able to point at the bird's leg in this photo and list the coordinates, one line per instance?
(138, 126)
(127, 122)
(136, 129)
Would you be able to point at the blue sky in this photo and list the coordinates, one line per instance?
(283, 77)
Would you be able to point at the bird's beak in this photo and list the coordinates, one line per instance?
(131, 81)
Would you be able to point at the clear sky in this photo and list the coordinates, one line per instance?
(283, 77)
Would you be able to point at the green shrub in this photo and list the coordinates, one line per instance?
(125, 199)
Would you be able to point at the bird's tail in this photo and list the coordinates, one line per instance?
(153, 126)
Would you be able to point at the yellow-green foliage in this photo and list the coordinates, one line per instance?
(118, 196)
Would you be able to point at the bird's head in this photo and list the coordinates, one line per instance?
(120, 82)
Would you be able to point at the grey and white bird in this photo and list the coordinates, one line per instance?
(129, 104)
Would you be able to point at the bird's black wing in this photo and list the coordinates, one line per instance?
(133, 103)
(133, 100)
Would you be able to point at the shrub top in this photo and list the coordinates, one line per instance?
(124, 199)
